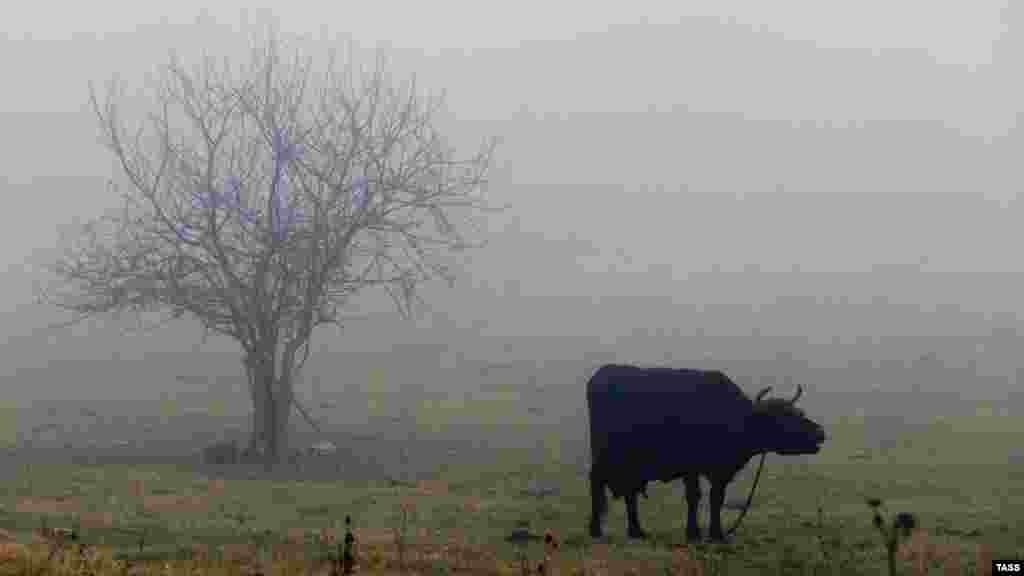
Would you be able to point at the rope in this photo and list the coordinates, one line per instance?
(750, 498)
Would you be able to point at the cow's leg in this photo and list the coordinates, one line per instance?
(692, 483)
(598, 503)
(717, 499)
(633, 517)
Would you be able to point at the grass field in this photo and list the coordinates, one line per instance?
(809, 514)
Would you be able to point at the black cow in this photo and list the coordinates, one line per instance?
(651, 424)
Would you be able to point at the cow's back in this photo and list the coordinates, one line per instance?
(639, 395)
(658, 416)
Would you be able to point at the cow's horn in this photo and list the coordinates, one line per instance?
(799, 391)
(762, 394)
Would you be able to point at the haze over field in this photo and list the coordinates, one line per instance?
(707, 186)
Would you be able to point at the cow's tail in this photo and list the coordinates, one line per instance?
(598, 501)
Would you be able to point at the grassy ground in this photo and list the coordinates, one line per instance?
(953, 476)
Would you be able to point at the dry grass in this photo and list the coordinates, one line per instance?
(922, 551)
(215, 487)
(12, 552)
(137, 488)
(162, 503)
(430, 488)
(47, 506)
(239, 553)
(377, 553)
(96, 520)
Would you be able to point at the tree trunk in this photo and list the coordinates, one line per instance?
(277, 444)
(260, 401)
(271, 398)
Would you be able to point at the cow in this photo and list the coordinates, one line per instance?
(650, 424)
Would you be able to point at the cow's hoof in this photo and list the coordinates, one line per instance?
(595, 531)
(692, 537)
(637, 533)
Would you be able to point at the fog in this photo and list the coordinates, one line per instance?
(815, 192)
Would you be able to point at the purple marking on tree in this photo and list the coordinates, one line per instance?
(230, 199)
(359, 192)
(283, 215)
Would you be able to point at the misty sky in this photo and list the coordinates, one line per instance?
(643, 144)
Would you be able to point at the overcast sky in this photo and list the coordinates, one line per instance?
(642, 141)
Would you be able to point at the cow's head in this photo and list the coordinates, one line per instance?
(777, 425)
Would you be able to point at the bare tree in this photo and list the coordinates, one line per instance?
(370, 174)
